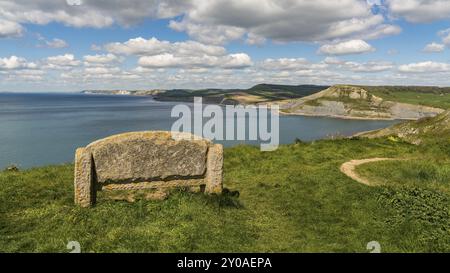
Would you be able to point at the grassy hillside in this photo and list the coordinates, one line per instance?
(276, 92)
(292, 200)
(433, 175)
(422, 95)
(349, 101)
(256, 94)
(426, 130)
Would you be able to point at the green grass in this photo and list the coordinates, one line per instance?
(417, 193)
(292, 200)
(273, 92)
(429, 173)
(267, 92)
(427, 96)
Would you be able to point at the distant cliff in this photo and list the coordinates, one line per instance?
(261, 93)
(354, 102)
(340, 101)
(257, 94)
(125, 92)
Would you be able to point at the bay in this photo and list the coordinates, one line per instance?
(42, 129)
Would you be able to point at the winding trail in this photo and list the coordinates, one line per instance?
(348, 168)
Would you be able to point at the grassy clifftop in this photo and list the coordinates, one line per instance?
(309, 206)
(422, 95)
(428, 129)
(347, 101)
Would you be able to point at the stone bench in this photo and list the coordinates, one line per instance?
(147, 160)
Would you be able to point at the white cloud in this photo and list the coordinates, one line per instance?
(15, 63)
(445, 35)
(164, 54)
(382, 31)
(66, 61)
(167, 60)
(103, 75)
(100, 59)
(420, 10)
(369, 67)
(329, 66)
(287, 64)
(153, 46)
(333, 60)
(253, 39)
(102, 70)
(90, 13)
(57, 43)
(291, 20)
(341, 27)
(29, 75)
(219, 21)
(284, 71)
(10, 29)
(425, 67)
(346, 48)
(95, 47)
(215, 35)
(434, 48)
(138, 46)
(236, 61)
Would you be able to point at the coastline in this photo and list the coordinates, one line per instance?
(282, 113)
(342, 117)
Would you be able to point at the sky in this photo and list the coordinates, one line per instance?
(74, 45)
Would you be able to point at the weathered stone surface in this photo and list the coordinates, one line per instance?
(147, 156)
(214, 174)
(147, 160)
(408, 111)
(84, 180)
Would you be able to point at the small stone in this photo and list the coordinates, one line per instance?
(12, 168)
(158, 195)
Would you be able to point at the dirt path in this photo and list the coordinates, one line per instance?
(348, 168)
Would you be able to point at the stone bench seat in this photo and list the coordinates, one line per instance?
(147, 160)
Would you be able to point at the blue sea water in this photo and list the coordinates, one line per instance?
(42, 129)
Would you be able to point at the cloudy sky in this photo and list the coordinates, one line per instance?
(71, 45)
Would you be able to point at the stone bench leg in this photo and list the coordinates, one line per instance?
(84, 179)
(214, 171)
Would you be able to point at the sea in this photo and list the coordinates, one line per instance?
(38, 129)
